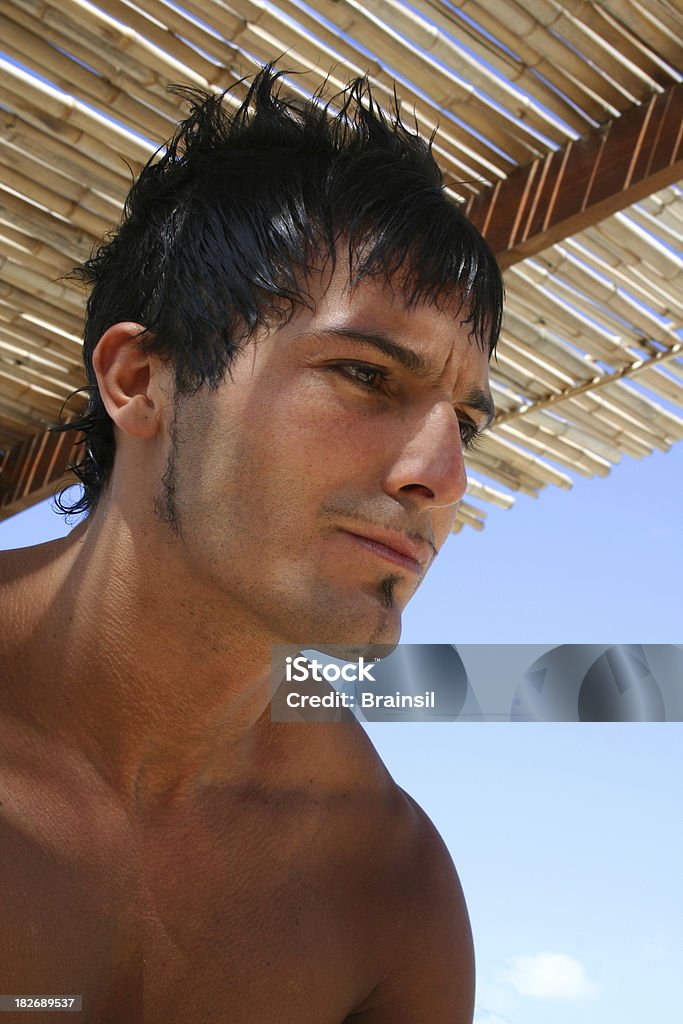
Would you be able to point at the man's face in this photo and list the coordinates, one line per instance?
(314, 487)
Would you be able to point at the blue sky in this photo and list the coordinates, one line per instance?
(568, 838)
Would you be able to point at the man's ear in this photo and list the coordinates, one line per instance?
(134, 385)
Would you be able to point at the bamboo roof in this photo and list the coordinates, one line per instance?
(589, 366)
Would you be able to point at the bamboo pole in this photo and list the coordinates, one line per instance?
(657, 227)
(20, 347)
(642, 247)
(24, 216)
(593, 417)
(41, 309)
(63, 297)
(27, 47)
(626, 411)
(41, 352)
(70, 112)
(508, 64)
(659, 422)
(135, 30)
(508, 373)
(81, 21)
(543, 309)
(524, 378)
(38, 254)
(629, 426)
(550, 447)
(601, 381)
(71, 210)
(537, 364)
(647, 26)
(606, 26)
(626, 75)
(518, 29)
(542, 306)
(33, 326)
(472, 515)
(447, 90)
(614, 311)
(602, 421)
(30, 107)
(426, 35)
(535, 337)
(662, 385)
(664, 303)
(586, 439)
(27, 417)
(504, 472)
(666, 199)
(9, 251)
(133, 79)
(459, 161)
(484, 492)
(537, 470)
(48, 149)
(36, 395)
(470, 162)
(24, 368)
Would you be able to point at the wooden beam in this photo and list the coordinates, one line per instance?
(631, 370)
(579, 185)
(35, 469)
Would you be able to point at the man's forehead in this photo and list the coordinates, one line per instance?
(376, 298)
(424, 336)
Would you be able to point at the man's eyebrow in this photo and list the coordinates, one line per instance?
(401, 353)
(475, 398)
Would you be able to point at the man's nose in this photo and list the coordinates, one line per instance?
(429, 466)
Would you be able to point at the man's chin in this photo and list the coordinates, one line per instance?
(361, 635)
(352, 618)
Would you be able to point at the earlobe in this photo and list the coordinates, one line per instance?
(127, 380)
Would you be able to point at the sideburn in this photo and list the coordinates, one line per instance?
(164, 503)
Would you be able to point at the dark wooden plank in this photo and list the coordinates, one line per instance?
(591, 178)
(34, 469)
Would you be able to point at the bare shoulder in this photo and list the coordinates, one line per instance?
(15, 567)
(29, 579)
(429, 973)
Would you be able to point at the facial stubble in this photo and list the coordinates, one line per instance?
(166, 509)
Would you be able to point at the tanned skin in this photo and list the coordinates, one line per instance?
(167, 850)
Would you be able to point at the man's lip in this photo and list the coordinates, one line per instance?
(396, 547)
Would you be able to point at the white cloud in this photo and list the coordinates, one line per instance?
(549, 976)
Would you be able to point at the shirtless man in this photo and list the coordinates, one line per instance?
(276, 459)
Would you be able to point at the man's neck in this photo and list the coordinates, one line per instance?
(130, 662)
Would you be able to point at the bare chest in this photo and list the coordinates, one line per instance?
(254, 914)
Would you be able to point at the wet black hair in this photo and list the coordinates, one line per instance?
(223, 224)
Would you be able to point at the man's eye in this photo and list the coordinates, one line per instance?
(369, 377)
(469, 435)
